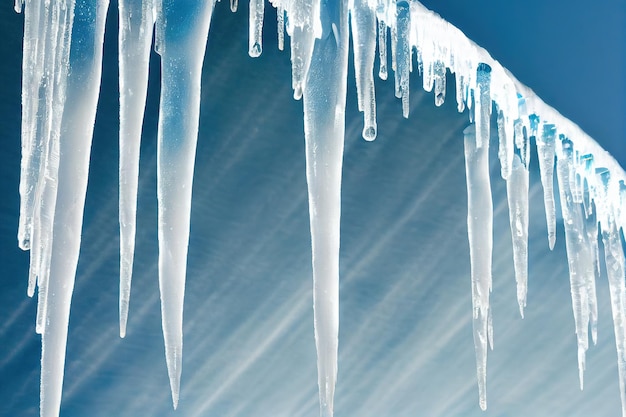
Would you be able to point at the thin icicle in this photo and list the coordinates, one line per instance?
(280, 22)
(505, 145)
(460, 92)
(590, 224)
(517, 196)
(580, 263)
(136, 24)
(480, 234)
(182, 53)
(363, 25)
(255, 37)
(36, 31)
(382, 49)
(545, 152)
(616, 271)
(324, 127)
(403, 53)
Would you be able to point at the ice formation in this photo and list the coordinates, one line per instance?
(59, 109)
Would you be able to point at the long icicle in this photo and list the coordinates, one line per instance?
(324, 127)
(136, 24)
(75, 145)
(182, 52)
(517, 196)
(616, 272)
(579, 258)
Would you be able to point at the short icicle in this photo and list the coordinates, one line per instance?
(324, 127)
(545, 151)
(255, 29)
(363, 23)
(136, 24)
(182, 52)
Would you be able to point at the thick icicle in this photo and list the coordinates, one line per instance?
(517, 196)
(439, 74)
(46, 54)
(616, 271)
(182, 52)
(136, 23)
(76, 132)
(324, 127)
(479, 225)
(580, 263)
(545, 151)
(363, 24)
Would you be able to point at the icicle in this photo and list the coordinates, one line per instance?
(545, 152)
(460, 92)
(581, 268)
(479, 225)
(324, 127)
(280, 20)
(587, 163)
(36, 30)
(482, 105)
(505, 146)
(136, 23)
(616, 271)
(77, 128)
(517, 196)
(255, 37)
(363, 23)
(590, 225)
(181, 66)
(382, 49)
(428, 77)
(403, 53)
(439, 73)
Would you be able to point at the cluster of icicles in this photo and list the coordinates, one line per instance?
(59, 110)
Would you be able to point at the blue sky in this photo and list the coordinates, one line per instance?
(406, 345)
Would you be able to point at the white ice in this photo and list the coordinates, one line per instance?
(59, 107)
(136, 24)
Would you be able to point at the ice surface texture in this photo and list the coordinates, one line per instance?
(61, 80)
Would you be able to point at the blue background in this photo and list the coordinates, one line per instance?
(406, 345)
